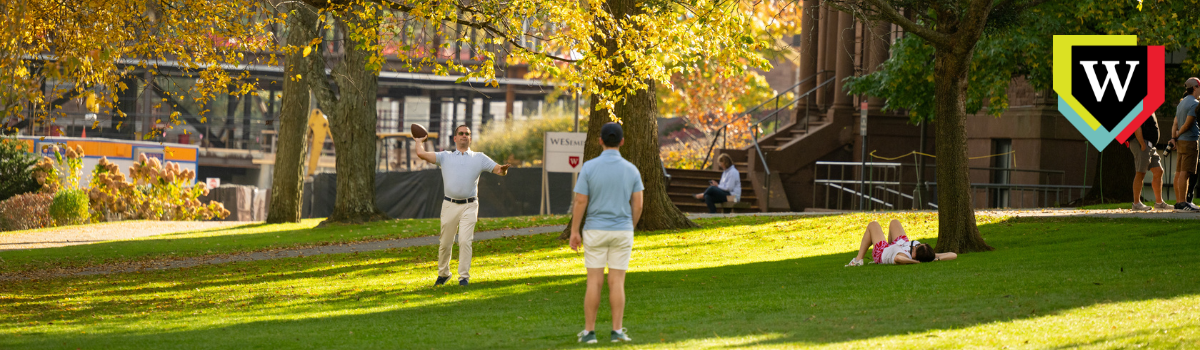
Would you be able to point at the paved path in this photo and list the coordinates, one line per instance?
(111, 231)
(431, 240)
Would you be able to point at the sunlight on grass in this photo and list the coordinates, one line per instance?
(742, 282)
(242, 239)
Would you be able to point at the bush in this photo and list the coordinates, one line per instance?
(62, 170)
(16, 168)
(70, 207)
(155, 192)
(26, 211)
(523, 141)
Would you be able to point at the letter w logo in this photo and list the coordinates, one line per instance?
(1111, 66)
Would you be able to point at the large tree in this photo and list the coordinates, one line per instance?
(952, 29)
(615, 51)
(1014, 40)
(54, 51)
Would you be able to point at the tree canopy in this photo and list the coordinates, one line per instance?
(54, 50)
(1020, 45)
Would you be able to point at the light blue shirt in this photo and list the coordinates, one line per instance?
(609, 181)
(460, 172)
(732, 183)
(1186, 108)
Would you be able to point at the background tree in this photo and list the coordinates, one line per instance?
(611, 50)
(953, 29)
(1018, 43)
(53, 51)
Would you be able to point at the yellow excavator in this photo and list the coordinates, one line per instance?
(318, 130)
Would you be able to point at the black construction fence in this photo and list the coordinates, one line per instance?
(419, 194)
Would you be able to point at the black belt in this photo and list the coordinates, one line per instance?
(460, 201)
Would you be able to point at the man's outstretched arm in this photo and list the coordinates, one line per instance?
(420, 148)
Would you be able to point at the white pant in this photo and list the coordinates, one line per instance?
(457, 219)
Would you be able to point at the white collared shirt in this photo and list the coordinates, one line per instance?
(461, 170)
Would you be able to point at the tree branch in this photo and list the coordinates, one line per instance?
(889, 13)
(484, 26)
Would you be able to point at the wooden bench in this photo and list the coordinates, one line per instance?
(730, 205)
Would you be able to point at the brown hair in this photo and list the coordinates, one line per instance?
(725, 160)
(924, 253)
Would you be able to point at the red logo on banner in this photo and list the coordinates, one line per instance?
(573, 160)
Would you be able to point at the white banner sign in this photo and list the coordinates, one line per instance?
(564, 151)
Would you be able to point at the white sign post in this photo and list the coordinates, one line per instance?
(563, 153)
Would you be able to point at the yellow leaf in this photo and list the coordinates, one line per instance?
(307, 50)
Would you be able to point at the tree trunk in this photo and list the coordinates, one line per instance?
(352, 123)
(1113, 180)
(956, 214)
(287, 183)
(639, 120)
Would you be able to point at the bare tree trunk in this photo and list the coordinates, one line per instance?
(352, 123)
(956, 215)
(288, 180)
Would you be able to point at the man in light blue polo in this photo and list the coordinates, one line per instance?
(609, 190)
(460, 208)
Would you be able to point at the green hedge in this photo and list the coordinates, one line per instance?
(70, 207)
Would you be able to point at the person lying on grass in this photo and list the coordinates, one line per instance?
(901, 250)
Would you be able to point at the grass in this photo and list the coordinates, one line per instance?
(746, 282)
(245, 238)
(1127, 205)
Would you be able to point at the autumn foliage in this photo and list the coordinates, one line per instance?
(156, 192)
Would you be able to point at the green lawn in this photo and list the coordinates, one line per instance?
(1128, 205)
(245, 238)
(744, 282)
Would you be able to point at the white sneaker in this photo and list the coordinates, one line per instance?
(587, 337)
(620, 336)
(1163, 206)
(1138, 206)
(855, 262)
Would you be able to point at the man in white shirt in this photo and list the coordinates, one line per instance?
(460, 208)
(730, 185)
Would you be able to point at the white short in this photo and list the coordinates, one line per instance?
(610, 248)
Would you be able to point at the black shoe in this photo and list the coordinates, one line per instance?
(441, 280)
(462, 282)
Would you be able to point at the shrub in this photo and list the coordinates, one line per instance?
(111, 196)
(63, 169)
(70, 207)
(16, 168)
(523, 141)
(26, 211)
(156, 192)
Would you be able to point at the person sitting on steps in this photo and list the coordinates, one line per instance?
(730, 185)
(901, 250)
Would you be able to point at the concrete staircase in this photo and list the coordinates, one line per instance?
(687, 183)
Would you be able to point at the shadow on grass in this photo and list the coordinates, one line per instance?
(1041, 267)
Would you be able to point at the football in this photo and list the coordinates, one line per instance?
(418, 131)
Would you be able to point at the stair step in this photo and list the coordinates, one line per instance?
(689, 198)
(701, 208)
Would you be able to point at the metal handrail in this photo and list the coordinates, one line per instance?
(776, 98)
(711, 146)
(723, 129)
(754, 126)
